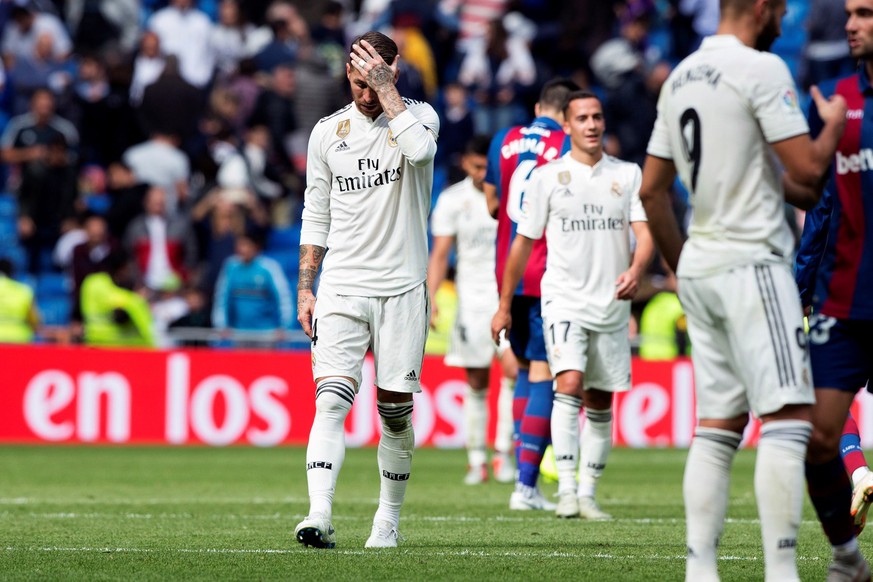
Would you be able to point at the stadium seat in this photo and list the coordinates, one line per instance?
(52, 285)
(55, 311)
(8, 205)
(284, 238)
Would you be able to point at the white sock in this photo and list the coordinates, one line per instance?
(327, 442)
(565, 439)
(780, 490)
(395, 458)
(705, 488)
(859, 474)
(596, 445)
(476, 424)
(503, 442)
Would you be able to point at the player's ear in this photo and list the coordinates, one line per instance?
(395, 65)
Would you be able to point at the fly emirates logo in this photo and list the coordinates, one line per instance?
(854, 163)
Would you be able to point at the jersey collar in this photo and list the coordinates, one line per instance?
(547, 122)
(720, 41)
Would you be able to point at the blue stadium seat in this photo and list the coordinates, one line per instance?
(50, 285)
(284, 238)
(8, 205)
(55, 311)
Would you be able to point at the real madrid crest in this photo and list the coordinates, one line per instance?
(343, 128)
(391, 140)
(564, 178)
(616, 189)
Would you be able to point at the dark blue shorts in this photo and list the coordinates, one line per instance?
(526, 334)
(841, 352)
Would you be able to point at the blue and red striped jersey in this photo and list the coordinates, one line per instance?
(837, 246)
(513, 155)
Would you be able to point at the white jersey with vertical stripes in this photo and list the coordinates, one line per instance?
(585, 212)
(462, 212)
(367, 200)
(718, 112)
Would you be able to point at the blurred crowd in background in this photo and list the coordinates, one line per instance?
(162, 144)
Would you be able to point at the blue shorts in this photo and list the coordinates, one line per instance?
(526, 334)
(841, 352)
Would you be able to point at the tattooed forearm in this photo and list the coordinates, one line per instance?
(381, 79)
(310, 261)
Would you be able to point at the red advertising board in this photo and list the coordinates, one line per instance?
(221, 397)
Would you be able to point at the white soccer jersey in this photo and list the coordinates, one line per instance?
(368, 196)
(718, 112)
(462, 212)
(585, 212)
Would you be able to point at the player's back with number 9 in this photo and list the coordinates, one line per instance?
(720, 108)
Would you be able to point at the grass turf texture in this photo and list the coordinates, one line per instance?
(104, 513)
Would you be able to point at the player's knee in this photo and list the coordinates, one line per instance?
(824, 444)
(396, 416)
(334, 396)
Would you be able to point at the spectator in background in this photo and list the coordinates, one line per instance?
(98, 25)
(19, 317)
(826, 54)
(245, 168)
(631, 90)
(88, 257)
(46, 195)
(496, 70)
(663, 331)
(162, 244)
(289, 32)
(317, 92)
(252, 292)
(40, 69)
(275, 110)
(160, 162)
(186, 32)
(25, 27)
(231, 39)
(147, 66)
(456, 127)
(126, 195)
(92, 111)
(114, 315)
(704, 18)
(219, 220)
(171, 104)
(245, 88)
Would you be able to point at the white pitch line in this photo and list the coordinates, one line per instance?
(402, 552)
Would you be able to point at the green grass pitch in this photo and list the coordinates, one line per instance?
(141, 513)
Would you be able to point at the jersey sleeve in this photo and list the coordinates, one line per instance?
(637, 212)
(416, 131)
(533, 220)
(812, 244)
(659, 142)
(773, 98)
(444, 219)
(316, 198)
(492, 174)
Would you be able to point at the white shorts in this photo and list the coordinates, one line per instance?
(603, 357)
(748, 344)
(470, 343)
(344, 327)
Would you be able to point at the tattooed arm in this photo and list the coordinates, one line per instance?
(310, 261)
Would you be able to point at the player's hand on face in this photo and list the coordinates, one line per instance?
(374, 68)
(502, 320)
(305, 309)
(626, 286)
(832, 109)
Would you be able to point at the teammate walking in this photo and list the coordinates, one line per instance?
(586, 204)
(461, 220)
(721, 113)
(369, 177)
(513, 155)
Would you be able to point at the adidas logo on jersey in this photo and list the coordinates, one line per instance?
(342, 147)
(412, 377)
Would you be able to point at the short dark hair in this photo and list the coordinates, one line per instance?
(386, 47)
(477, 145)
(6, 267)
(580, 94)
(554, 93)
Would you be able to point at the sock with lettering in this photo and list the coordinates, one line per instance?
(395, 458)
(596, 445)
(565, 439)
(327, 446)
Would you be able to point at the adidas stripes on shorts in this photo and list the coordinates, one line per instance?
(747, 339)
(395, 328)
